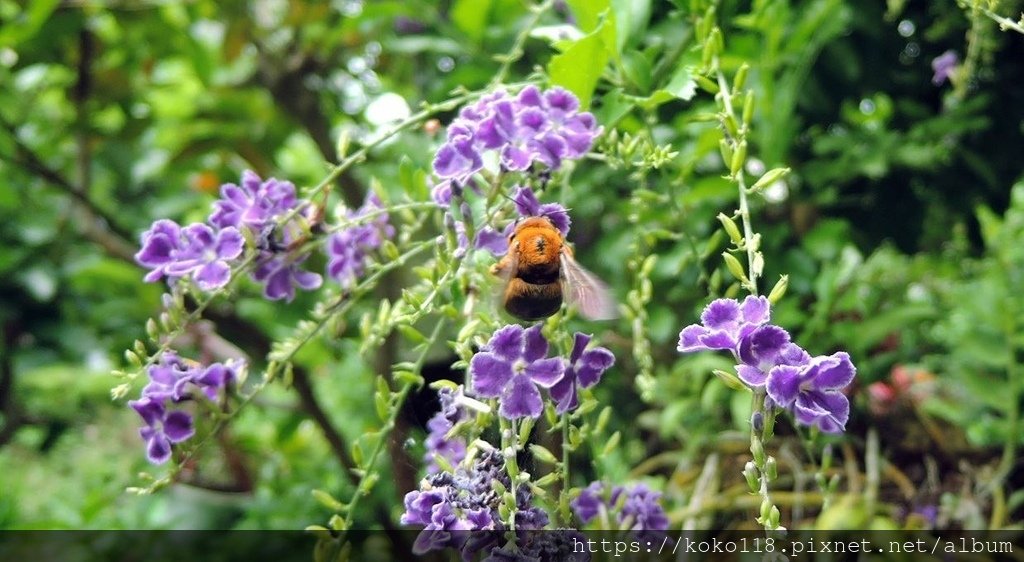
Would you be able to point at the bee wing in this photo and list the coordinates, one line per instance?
(504, 269)
(584, 290)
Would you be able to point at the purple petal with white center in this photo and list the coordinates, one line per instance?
(783, 384)
(508, 342)
(763, 345)
(521, 399)
(178, 426)
(546, 372)
(490, 374)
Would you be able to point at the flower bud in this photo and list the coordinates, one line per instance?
(750, 473)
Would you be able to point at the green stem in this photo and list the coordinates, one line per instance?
(517, 47)
(563, 503)
(748, 230)
(396, 406)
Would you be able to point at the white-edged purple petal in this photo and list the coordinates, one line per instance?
(521, 399)
(546, 372)
(490, 374)
(783, 384)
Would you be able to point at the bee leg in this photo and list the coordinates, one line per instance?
(502, 266)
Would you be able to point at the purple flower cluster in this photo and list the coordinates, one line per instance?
(257, 205)
(348, 249)
(514, 363)
(450, 505)
(173, 381)
(810, 387)
(196, 251)
(533, 126)
(205, 252)
(438, 444)
(636, 506)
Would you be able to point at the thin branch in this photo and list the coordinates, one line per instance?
(304, 387)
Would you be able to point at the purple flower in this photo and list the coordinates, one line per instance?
(944, 66)
(438, 444)
(809, 387)
(158, 246)
(637, 506)
(169, 378)
(281, 273)
(486, 239)
(195, 250)
(724, 323)
(254, 203)
(589, 503)
(511, 366)
(583, 371)
(174, 380)
(641, 507)
(348, 249)
(162, 428)
(450, 505)
(764, 349)
(530, 127)
(813, 391)
(528, 206)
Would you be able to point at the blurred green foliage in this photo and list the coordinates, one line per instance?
(896, 226)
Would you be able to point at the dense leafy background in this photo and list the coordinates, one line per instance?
(898, 228)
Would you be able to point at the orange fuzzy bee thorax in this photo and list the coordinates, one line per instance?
(537, 243)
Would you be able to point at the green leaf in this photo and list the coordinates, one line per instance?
(470, 16)
(588, 12)
(579, 68)
(631, 17)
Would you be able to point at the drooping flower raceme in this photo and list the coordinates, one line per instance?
(810, 387)
(348, 249)
(173, 381)
(511, 366)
